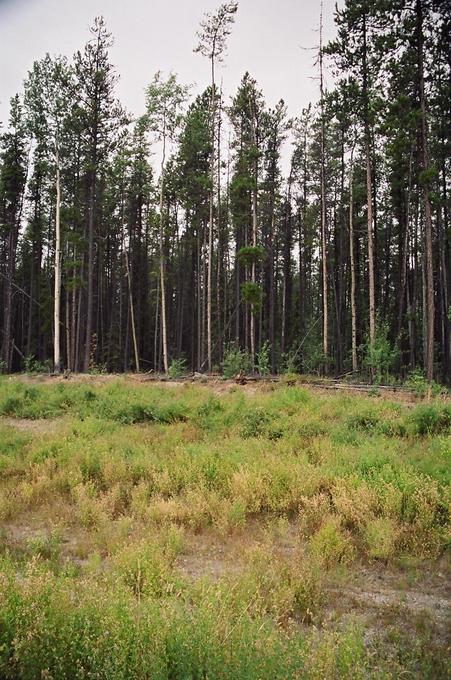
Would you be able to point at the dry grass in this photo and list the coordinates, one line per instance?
(286, 522)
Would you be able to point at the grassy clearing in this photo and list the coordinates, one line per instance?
(171, 532)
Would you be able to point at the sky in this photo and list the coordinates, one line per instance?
(270, 39)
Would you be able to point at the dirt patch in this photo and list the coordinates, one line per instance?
(46, 537)
(383, 598)
(210, 555)
(378, 597)
(34, 427)
(214, 555)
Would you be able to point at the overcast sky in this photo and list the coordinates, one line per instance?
(152, 35)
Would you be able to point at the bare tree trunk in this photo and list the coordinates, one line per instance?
(211, 216)
(57, 300)
(132, 311)
(254, 236)
(429, 273)
(371, 290)
(323, 205)
(221, 241)
(272, 293)
(73, 325)
(7, 325)
(156, 330)
(68, 331)
(355, 366)
(162, 264)
(199, 301)
(424, 299)
(369, 194)
(404, 253)
(90, 300)
(11, 253)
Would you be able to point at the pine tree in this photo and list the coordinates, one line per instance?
(214, 30)
(13, 174)
(100, 117)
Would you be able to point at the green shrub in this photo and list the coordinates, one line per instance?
(255, 423)
(379, 357)
(429, 419)
(264, 360)
(331, 546)
(178, 368)
(45, 545)
(135, 413)
(381, 534)
(11, 406)
(33, 365)
(367, 421)
(235, 361)
(417, 382)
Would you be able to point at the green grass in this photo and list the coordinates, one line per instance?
(124, 476)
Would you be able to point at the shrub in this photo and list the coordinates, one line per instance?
(288, 364)
(379, 356)
(312, 512)
(135, 413)
(420, 386)
(211, 407)
(263, 359)
(255, 423)
(178, 368)
(330, 546)
(11, 406)
(381, 534)
(143, 568)
(428, 419)
(235, 361)
(367, 421)
(354, 501)
(45, 545)
(33, 365)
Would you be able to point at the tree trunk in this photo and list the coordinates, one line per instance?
(371, 291)
(429, 273)
(57, 299)
(90, 300)
(369, 192)
(323, 207)
(211, 215)
(355, 366)
(162, 264)
(254, 234)
(132, 312)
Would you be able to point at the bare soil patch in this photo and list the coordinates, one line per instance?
(378, 596)
(34, 427)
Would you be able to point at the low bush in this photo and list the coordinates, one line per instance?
(331, 546)
(420, 386)
(429, 419)
(235, 361)
(178, 368)
(381, 534)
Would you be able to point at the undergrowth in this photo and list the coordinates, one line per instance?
(130, 471)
